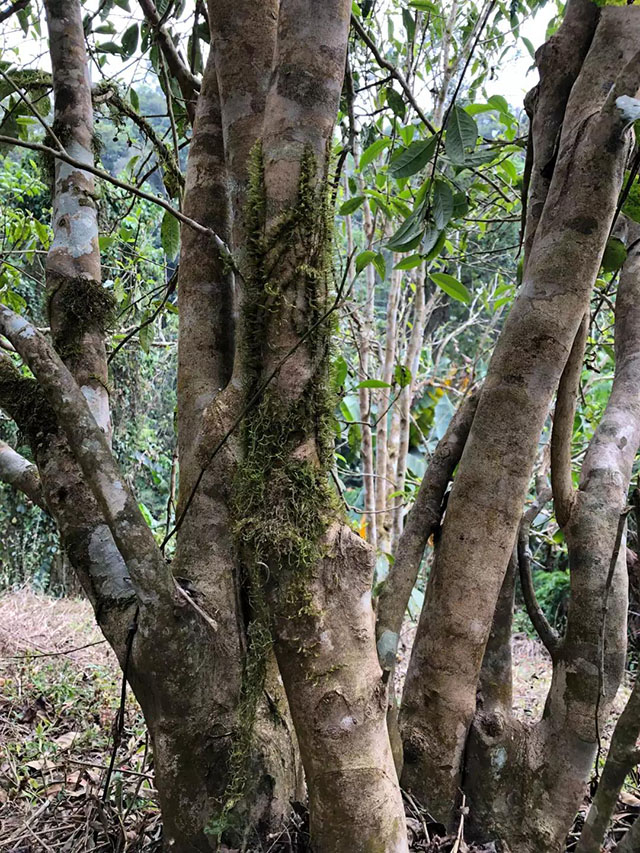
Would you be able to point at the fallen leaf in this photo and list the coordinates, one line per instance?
(66, 740)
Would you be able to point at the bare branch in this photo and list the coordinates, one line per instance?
(110, 95)
(622, 758)
(562, 433)
(150, 574)
(391, 68)
(21, 474)
(546, 633)
(13, 8)
(423, 519)
(188, 83)
(100, 173)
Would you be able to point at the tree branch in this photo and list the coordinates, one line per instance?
(108, 94)
(423, 520)
(150, 574)
(100, 173)
(622, 758)
(13, 8)
(21, 474)
(562, 432)
(546, 633)
(390, 67)
(188, 82)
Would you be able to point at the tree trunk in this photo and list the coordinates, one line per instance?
(491, 485)
(525, 784)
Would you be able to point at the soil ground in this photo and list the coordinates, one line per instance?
(59, 698)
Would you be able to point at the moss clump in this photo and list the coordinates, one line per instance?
(24, 401)
(282, 497)
(78, 305)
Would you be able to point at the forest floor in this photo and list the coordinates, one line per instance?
(59, 698)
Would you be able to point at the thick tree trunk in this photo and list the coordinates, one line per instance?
(490, 488)
(302, 559)
(551, 761)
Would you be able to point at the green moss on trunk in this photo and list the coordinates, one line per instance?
(282, 497)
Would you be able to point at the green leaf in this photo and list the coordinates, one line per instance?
(350, 205)
(425, 6)
(615, 254)
(364, 259)
(460, 205)
(346, 411)
(442, 204)
(413, 158)
(462, 133)
(146, 335)
(409, 263)
(396, 102)
(372, 151)
(170, 235)
(380, 264)
(409, 233)
(340, 369)
(402, 375)
(130, 41)
(144, 510)
(498, 102)
(373, 383)
(368, 257)
(409, 24)
(124, 4)
(109, 47)
(451, 286)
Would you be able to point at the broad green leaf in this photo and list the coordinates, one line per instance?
(350, 205)
(346, 411)
(409, 263)
(425, 6)
(364, 259)
(396, 102)
(451, 286)
(373, 383)
(340, 369)
(462, 134)
(615, 254)
(109, 47)
(402, 375)
(499, 103)
(170, 235)
(442, 208)
(474, 109)
(413, 158)
(146, 335)
(372, 151)
(409, 24)
(460, 204)
(380, 264)
(130, 41)
(408, 234)
(369, 257)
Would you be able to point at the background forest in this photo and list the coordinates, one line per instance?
(428, 179)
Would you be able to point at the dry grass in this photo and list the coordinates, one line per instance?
(58, 704)
(59, 693)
